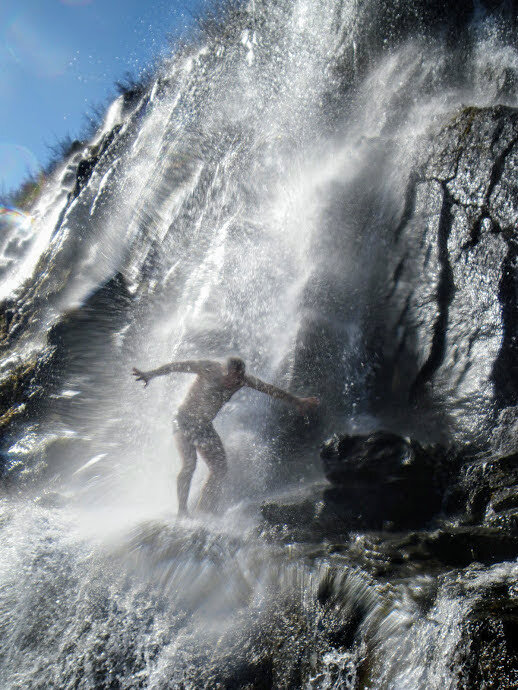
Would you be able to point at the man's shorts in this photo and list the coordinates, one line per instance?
(199, 434)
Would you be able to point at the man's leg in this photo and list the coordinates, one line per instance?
(212, 451)
(187, 452)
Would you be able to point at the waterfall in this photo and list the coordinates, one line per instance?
(244, 201)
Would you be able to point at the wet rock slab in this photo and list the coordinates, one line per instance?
(430, 551)
(487, 655)
(384, 480)
(487, 492)
(380, 481)
(450, 306)
(395, 507)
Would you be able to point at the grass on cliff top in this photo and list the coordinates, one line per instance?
(25, 195)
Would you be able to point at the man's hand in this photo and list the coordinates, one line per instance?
(304, 405)
(143, 376)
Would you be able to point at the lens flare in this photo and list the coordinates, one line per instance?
(13, 217)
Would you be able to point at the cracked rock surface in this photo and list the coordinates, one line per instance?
(453, 294)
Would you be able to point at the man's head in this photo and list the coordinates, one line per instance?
(235, 370)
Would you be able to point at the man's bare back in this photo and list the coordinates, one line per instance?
(215, 384)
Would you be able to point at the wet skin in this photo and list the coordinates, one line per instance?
(214, 385)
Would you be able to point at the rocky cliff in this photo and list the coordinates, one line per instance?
(449, 306)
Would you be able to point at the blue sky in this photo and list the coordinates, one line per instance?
(58, 58)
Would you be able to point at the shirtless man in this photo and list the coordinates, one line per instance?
(215, 384)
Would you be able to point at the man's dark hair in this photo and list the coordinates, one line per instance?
(236, 364)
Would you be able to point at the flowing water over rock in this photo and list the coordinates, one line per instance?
(329, 189)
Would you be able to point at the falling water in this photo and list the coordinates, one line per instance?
(240, 203)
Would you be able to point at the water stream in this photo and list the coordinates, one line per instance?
(244, 202)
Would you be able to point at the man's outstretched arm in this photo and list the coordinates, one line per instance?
(303, 405)
(190, 366)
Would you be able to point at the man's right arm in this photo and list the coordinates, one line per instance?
(190, 366)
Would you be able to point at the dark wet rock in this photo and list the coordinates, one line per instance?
(388, 503)
(15, 389)
(485, 490)
(487, 655)
(505, 434)
(384, 480)
(378, 481)
(294, 509)
(461, 546)
(450, 305)
(304, 515)
(87, 165)
(102, 313)
(506, 520)
(406, 554)
(33, 390)
(505, 499)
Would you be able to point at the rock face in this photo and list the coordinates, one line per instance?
(452, 296)
(379, 481)
(486, 492)
(467, 510)
(422, 507)
(383, 479)
(488, 652)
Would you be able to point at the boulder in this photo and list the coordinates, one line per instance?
(384, 480)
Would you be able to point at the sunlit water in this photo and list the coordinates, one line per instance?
(243, 200)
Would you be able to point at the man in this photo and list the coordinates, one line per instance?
(215, 384)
